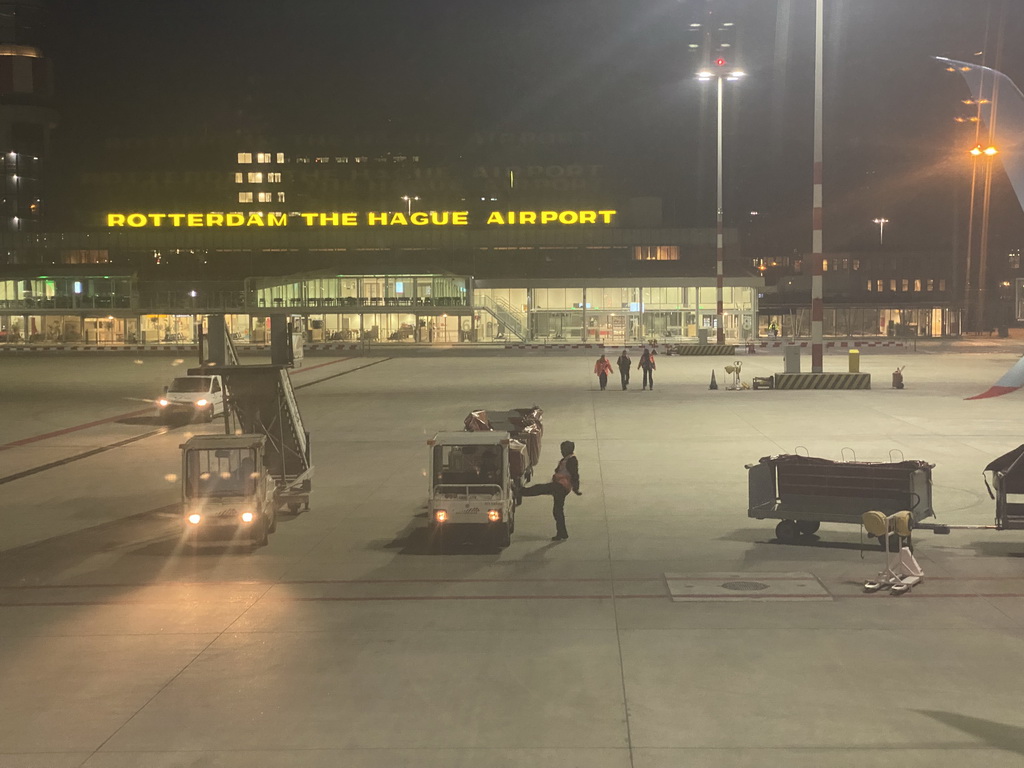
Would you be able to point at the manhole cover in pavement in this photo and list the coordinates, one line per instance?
(745, 586)
(738, 587)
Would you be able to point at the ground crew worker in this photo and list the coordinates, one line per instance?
(602, 368)
(647, 365)
(624, 364)
(566, 478)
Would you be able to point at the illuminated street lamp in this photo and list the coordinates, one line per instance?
(881, 229)
(987, 151)
(408, 202)
(721, 72)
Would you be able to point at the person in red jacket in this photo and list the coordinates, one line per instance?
(602, 368)
(566, 478)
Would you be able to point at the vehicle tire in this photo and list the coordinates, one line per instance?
(502, 535)
(208, 415)
(786, 532)
(294, 507)
(807, 527)
(261, 535)
(512, 521)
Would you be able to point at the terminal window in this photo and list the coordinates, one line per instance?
(245, 157)
(264, 157)
(255, 178)
(245, 197)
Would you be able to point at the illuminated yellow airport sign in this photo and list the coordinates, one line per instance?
(354, 219)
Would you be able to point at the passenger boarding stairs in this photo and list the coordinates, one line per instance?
(215, 344)
(260, 400)
(513, 320)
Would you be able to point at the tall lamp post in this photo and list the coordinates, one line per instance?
(881, 229)
(721, 72)
(408, 201)
(981, 309)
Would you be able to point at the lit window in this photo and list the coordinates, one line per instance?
(255, 178)
(245, 157)
(905, 285)
(360, 159)
(245, 197)
(301, 159)
(871, 285)
(917, 285)
(892, 286)
(824, 265)
(280, 157)
(931, 285)
(880, 286)
(856, 263)
(263, 157)
(238, 178)
(656, 253)
(274, 178)
(280, 197)
(341, 159)
(323, 159)
(265, 197)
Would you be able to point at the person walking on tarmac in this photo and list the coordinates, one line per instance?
(566, 478)
(624, 364)
(602, 368)
(647, 365)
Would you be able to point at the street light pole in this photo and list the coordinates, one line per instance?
(817, 258)
(720, 236)
(881, 229)
(705, 75)
(408, 201)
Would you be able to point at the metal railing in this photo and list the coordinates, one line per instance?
(512, 319)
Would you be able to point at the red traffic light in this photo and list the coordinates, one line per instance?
(720, 62)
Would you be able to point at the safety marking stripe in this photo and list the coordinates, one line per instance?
(705, 349)
(823, 381)
(437, 598)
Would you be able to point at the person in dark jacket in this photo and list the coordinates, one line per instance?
(647, 365)
(566, 478)
(624, 364)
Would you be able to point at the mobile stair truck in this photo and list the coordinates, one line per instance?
(476, 475)
(233, 485)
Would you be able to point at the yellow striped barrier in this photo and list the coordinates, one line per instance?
(822, 381)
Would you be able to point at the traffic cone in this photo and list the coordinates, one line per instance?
(714, 384)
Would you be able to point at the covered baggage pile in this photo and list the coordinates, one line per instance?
(523, 424)
(804, 491)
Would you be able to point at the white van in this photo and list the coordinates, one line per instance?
(192, 398)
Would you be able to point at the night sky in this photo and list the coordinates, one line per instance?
(619, 68)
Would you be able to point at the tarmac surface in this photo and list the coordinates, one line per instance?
(349, 642)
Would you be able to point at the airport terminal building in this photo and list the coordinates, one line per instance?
(429, 277)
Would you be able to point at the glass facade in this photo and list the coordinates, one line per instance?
(615, 313)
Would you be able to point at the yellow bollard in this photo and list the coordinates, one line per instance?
(854, 361)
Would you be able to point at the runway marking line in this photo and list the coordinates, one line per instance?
(438, 598)
(68, 430)
(130, 414)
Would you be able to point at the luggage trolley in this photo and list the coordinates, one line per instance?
(803, 491)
